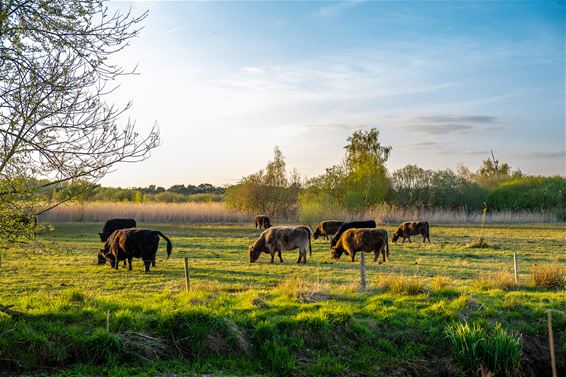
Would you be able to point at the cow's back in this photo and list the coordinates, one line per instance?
(114, 224)
(350, 225)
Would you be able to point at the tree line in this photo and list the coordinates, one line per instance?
(362, 181)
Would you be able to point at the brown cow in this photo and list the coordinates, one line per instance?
(324, 228)
(412, 228)
(262, 221)
(132, 243)
(362, 239)
(282, 238)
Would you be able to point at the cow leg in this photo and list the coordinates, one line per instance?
(124, 265)
(279, 253)
(146, 264)
(353, 256)
(153, 261)
(129, 264)
(304, 254)
(375, 254)
(272, 255)
(300, 257)
(409, 238)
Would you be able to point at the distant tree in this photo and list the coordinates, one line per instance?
(271, 191)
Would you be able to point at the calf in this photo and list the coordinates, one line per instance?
(349, 225)
(282, 238)
(364, 239)
(324, 228)
(412, 228)
(114, 224)
(132, 243)
(262, 221)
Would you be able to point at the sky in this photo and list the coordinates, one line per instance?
(444, 83)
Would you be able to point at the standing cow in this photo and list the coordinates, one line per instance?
(114, 224)
(282, 238)
(349, 225)
(262, 222)
(325, 228)
(412, 228)
(125, 244)
(364, 239)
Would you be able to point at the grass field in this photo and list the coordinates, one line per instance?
(280, 319)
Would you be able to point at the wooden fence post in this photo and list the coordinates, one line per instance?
(516, 265)
(551, 345)
(363, 271)
(187, 277)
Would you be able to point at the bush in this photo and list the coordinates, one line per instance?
(474, 348)
(548, 276)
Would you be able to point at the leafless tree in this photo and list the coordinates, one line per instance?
(55, 74)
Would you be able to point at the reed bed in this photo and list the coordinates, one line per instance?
(218, 213)
(387, 214)
(161, 213)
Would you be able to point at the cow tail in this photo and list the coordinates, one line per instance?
(427, 231)
(310, 245)
(387, 244)
(169, 246)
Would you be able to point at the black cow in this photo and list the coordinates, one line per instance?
(349, 225)
(125, 244)
(262, 221)
(114, 224)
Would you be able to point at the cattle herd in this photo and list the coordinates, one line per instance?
(123, 241)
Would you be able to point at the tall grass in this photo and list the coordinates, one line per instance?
(475, 349)
(163, 213)
(388, 214)
(213, 212)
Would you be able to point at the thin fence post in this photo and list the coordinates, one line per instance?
(363, 271)
(516, 265)
(187, 277)
(551, 345)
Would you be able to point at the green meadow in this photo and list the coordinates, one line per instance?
(242, 318)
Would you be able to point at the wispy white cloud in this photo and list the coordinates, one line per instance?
(552, 154)
(335, 9)
(252, 70)
(441, 149)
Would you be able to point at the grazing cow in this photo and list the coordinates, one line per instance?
(412, 228)
(282, 238)
(325, 228)
(132, 243)
(362, 239)
(262, 221)
(349, 225)
(114, 224)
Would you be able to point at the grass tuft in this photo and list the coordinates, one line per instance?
(303, 289)
(401, 285)
(495, 353)
(498, 280)
(548, 276)
(481, 243)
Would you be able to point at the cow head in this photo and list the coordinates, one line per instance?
(336, 252)
(396, 236)
(316, 234)
(254, 254)
(101, 257)
(103, 237)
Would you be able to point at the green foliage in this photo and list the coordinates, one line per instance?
(270, 191)
(529, 193)
(474, 347)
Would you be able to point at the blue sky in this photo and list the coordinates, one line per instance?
(444, 82)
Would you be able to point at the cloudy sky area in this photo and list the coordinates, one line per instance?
(444, 82)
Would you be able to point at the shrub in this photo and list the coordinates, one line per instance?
(548, 276)
(474, 348)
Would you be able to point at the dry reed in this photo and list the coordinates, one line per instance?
(161, 213)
